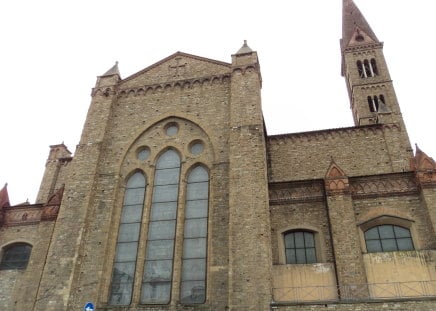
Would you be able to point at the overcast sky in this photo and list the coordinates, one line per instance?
(52, 52)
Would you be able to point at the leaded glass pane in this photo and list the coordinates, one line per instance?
(169, 159)
(160, 230)
(401, 232)
(197, 148)
(126, 251)
(389, 245)
(123, 272)
(198, 174)
(137, 180)
(289, 240)
(194, 248)
(373, 246)
(134, 196)
(372, 234)
(129, 232)
(196, 209)
(167, 176)
(193, 292)
(195, 228)
(299, 239)
(165, 193)
(198, 191)
(194, 269)
(155, 292)
(158, 270)
(160, 249)
(121, 293)
(301, 255)
(405, 244)
(308, 239)
(310, 255)
(131, 213)
(143, 154)
(290, 256)
(163, 211)
(386, 231)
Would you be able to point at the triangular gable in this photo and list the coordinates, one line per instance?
(179, 66)
(360, 37)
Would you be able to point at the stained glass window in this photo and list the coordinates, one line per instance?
(128, 239)
(193, 285)
(15, 256)
(158, 269)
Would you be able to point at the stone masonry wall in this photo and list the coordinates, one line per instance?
(358, 151)
(19, 288)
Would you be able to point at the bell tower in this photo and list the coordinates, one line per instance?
(372, 95)
(370, 88)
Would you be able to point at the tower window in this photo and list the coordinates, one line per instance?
(15, 256)
(374, 67)
(367, 68)
(300, 247)
(388, 238)
(360, 69)
(373, 103)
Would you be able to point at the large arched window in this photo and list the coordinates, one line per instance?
(128, 239)
(193, 285)
(300, 247)
(158, 269)
(15, 256)
(388, 238)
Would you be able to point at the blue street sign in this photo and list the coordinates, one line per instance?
(89, 307)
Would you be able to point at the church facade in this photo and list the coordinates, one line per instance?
(176, 198)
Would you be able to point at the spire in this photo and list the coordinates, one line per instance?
(4, 196)
(355, 28)
(113, 71)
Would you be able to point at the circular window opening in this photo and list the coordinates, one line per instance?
(172, 129)
(196, 147)
(143, 153)
(359, 38)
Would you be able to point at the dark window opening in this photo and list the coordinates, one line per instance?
(15, 256)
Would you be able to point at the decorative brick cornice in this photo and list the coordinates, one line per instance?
(363, 47)
(386, 185)
(29, 214)
(169, 86)
(296, 192)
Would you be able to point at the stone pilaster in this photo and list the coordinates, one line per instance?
(350, 270)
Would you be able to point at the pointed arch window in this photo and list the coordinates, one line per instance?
(193, 284)
(128, 239)
(158, 268)
(15, 256)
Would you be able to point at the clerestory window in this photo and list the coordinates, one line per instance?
(300, 247)
(15, 256)
(388, 238)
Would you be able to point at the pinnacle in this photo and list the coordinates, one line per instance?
(244, 49)
(113, 71)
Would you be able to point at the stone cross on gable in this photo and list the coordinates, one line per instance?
(178, 68)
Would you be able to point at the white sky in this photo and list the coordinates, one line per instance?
(52, 51)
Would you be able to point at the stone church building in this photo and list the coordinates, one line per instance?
(176, 198)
